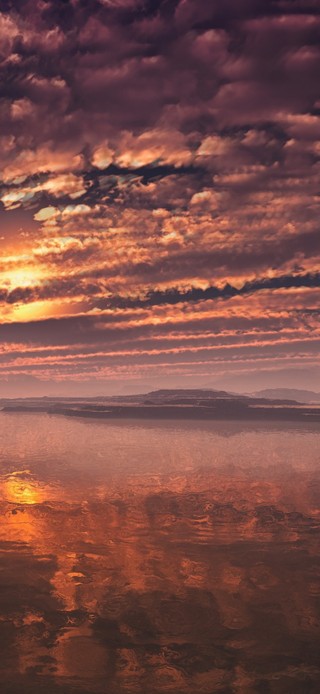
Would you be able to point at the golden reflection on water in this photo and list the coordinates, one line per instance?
(22, 491)
(196, 581)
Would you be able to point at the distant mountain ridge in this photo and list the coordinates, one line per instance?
(172, 396)
(197, 395)
(181, 403)
(186, 393)
(303, 396)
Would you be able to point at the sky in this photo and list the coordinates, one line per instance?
(159, 195)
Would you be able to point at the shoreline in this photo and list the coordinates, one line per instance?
(218, 411)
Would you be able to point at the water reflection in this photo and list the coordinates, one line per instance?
(18, 488)
(157, 559)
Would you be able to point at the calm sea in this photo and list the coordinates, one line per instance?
(148, 557)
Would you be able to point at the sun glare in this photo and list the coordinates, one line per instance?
(24, 277)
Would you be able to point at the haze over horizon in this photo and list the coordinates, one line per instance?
(159, 196)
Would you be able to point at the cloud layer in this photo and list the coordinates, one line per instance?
(159, 191)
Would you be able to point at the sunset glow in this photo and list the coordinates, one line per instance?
(21, 278)
(159, 346)
(159, 195)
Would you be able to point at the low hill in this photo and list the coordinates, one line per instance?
(303, 396)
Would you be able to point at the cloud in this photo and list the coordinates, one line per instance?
(175, 296)
(155, 154)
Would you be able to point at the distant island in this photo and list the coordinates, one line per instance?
(174, 404)
(302, 396)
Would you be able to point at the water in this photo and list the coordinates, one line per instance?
(150, 557)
